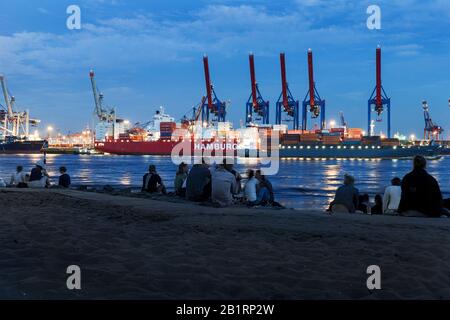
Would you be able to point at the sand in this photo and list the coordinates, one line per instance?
(131, 248)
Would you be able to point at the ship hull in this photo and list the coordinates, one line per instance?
(164, 147)
(21, 147)
(361, 152)
(153, 148)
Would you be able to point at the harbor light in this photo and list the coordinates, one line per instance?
(332, 124)
(412, 137)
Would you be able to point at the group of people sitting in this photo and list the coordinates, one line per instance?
(37, 178)
(416, 195)
(219, 184)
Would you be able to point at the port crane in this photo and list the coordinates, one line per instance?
(379, 100)
(286, 101)
(312, 100)
(14, 123)
(104, 114)
(212, 105)
(431, 130)
(196, 113)
(342, 120)
(257, 109)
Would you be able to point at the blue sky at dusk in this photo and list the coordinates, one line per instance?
(149, 53)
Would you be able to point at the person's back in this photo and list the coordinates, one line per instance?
(420, 192)
(18, 179)
(64, 178)
(197, 181)
(180, 178)
(378, 207)
(392, 196)
(36, 174)
(223, 185)
(152, 181)
(347, 195)
(250, 191)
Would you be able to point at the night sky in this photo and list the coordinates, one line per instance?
(149, 53)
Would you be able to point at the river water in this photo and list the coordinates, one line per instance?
(300, 184)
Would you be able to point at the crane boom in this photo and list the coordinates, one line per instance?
(208, 82)
(6, 95)
(379, 99)
(98, 109)
(312, 102)
(251, 59)
(284, 81)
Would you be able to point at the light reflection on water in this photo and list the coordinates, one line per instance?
(300, 183)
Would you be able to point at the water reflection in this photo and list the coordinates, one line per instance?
(300, 183)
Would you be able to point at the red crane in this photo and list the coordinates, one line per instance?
(255, 104)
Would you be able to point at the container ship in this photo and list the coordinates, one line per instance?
(19, 146)
(15, 137)
(161, 135)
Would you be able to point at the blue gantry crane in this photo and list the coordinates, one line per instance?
(431, 131)
(257, 109)
(379, 100)
(212, 105)
(312, 99)
(286, 102)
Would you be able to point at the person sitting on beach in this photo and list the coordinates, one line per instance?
(237, 176)
(346, 198)
(363, 203)
(19, 178)
(180, 180)
(392, 196)
(198, 183)
(265, 189)
(421, 195)
(39, 178)
(378, 207)
(250, 189)
(152, 182)
(64, 178)
(223, 184)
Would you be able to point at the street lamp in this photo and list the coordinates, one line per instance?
(49, 131)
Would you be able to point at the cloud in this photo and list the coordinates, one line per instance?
(43, 10)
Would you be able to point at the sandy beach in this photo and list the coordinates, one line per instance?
(130, 248)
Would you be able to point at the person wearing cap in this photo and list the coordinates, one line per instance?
(346, 198)
(152, 182)
(39, 178)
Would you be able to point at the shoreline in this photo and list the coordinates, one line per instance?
(134, 248)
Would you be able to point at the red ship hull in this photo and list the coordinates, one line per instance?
(127, 147)
(160, 147)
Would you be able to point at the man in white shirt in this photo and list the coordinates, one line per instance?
(18, 178)
(392, 196)
(250, 191)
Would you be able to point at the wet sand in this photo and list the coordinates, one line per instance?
(132, 248)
